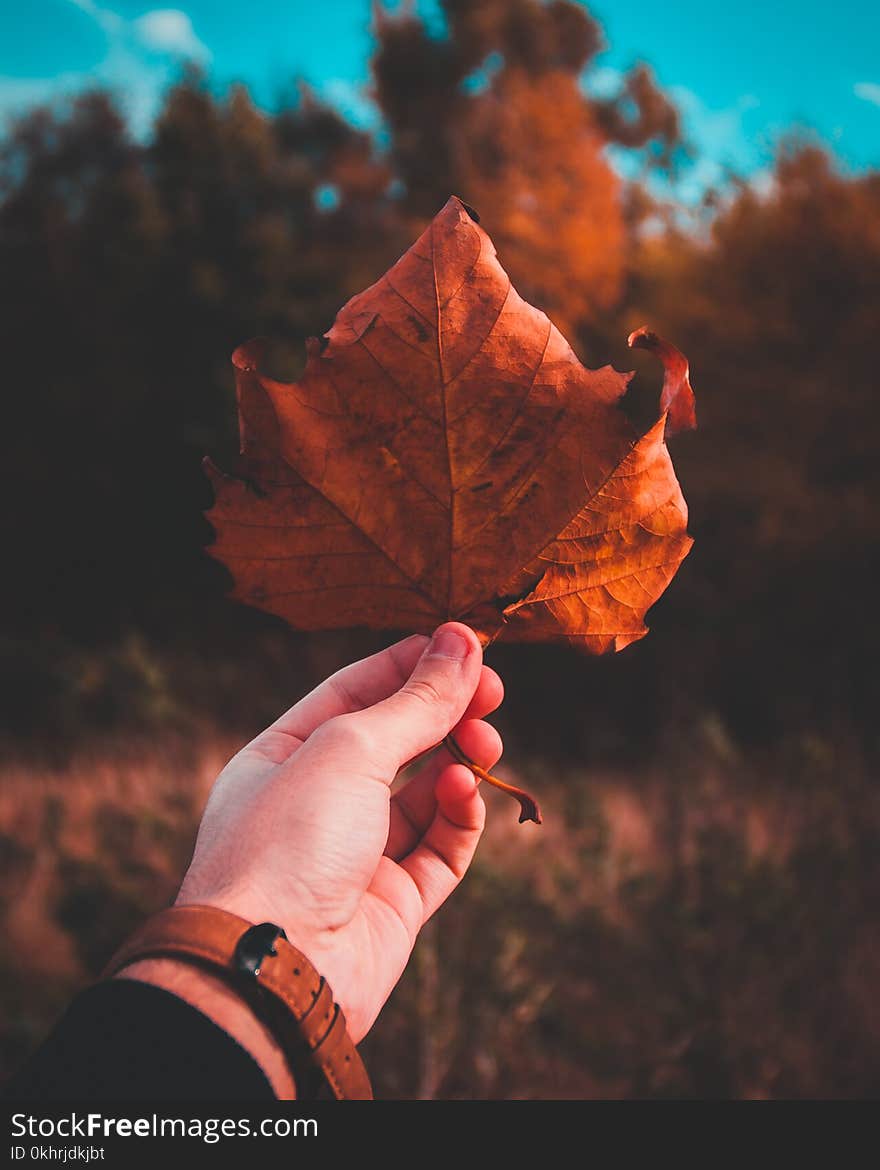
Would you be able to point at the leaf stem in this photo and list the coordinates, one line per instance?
(529, 810)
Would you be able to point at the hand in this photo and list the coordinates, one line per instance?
(301, 828)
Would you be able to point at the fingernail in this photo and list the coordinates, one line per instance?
(448, 644)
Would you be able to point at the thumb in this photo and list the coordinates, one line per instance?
(432, 700)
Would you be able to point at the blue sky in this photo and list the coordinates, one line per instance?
(742, 74)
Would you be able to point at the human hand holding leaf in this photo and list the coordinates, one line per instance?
(445, 456)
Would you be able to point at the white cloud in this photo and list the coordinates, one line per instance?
(717, 134)
(104, 17)
(603, 81)
(142, 57)
(763, 182)
(352, 100)
(720, 141)
(168, 30)
(868, 91)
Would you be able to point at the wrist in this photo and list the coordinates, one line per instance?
(319, 946)
(271, 983)
(214, 998)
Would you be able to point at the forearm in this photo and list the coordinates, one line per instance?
(130, 1040)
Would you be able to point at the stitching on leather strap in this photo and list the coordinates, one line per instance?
(316, 995)
(329, 1028)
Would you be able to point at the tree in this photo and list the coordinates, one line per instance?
(775, 306)
(496, 111)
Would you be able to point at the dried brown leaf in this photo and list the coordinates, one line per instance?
(445, 455)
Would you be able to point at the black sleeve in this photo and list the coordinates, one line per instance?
(129, 1041)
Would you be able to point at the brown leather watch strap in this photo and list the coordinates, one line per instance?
(276, 979)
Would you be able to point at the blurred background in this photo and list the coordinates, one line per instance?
(698, 916)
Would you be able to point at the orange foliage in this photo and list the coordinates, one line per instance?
(531, 156)
(496, 109)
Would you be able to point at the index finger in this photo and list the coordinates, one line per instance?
(357, 686)
(354, 687)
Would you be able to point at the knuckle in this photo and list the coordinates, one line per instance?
(348, 734)
(425, 691)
